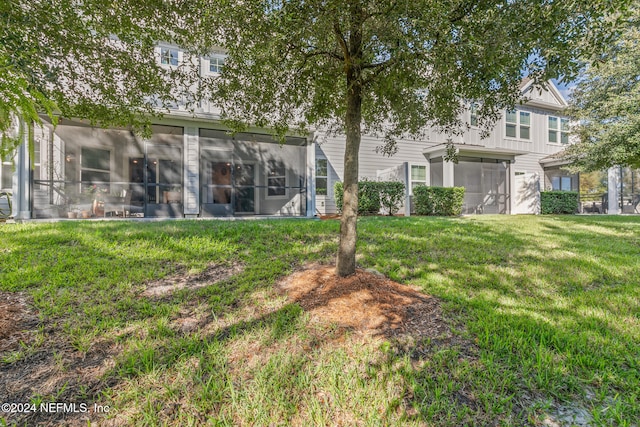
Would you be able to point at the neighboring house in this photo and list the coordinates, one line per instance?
(502, 174)
(191, 167)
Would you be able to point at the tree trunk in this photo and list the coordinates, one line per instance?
(346, 259)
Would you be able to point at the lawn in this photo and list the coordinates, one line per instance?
(544, 311)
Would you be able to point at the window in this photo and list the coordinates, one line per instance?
(558, 130)
(321, 177)
(518, 121)
(6, 175)
(276, 179)
(169, 56)
(216, 63)
(95, 166)
(561, 183)
(418, 176)
(473, 114)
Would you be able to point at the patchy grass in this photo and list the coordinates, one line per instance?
(551, 305)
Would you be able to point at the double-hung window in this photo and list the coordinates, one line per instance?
(321, 177)
(518, 124)
(558, 130)
(418, 176)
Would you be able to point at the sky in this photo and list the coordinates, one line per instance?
(564, 88)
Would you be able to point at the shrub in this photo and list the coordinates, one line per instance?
(559, 202)
(368, 196)
(391, 195)
(441, 201)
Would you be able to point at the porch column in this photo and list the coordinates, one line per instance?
(407, 188)
(612, 190)
(21, 184)
(512, 188)
(311, 177)
(191, 171)
(447, 174)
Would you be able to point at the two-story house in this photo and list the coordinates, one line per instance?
(192, 167)
(502, 174)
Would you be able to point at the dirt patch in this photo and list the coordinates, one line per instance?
(46, 365)
(330, 216)
(17, 319)
(366, 302)
(212, 274)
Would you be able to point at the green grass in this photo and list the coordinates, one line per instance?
(551, 305)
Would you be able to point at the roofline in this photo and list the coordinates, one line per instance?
(554, 91)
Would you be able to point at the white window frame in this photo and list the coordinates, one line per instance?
(473, 115)
(413, 182)
(269, 176)
(215, 58)
(168, 49)
(318, 159)
(518, 124)
(559, 132)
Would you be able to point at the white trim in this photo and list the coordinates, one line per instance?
(558, 131)
(518, 124)
(158, 53)
(316, 176)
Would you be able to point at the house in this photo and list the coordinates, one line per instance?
(502, 174)
(192, 167)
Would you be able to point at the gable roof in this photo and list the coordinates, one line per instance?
(545, 95)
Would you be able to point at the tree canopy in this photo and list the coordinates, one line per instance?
(605, 104)
(391, 68)
(88, 59)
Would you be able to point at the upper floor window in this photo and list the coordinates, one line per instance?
(473, 114)
(169, 56)
(518, 124)
(321, 177)
(216, 63)
(558, 130)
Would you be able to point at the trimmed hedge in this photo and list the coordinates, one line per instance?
(440, 201)
(559, 202)
(372, 195)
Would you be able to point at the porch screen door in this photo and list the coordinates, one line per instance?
(163, 180)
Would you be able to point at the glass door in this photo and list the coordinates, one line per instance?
(163, 180)
(216, 183)
(226, 188)
(244, 179)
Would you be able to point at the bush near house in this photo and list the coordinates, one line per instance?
(372, 195)
(439, 201)
(559, 202)
(391, 195)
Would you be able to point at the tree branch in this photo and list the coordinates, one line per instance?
(341, 40)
